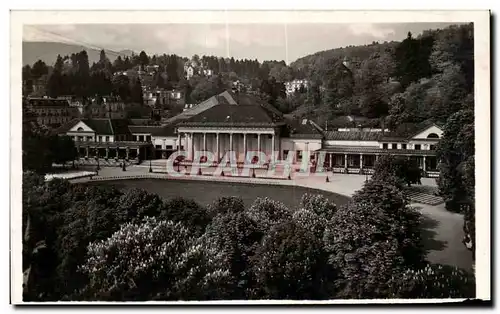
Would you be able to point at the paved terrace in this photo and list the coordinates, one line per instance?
(442, 229)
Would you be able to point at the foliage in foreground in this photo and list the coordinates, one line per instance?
(112, 245)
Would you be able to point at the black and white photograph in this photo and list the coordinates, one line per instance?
(250, 157)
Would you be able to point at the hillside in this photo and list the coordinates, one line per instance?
(355, 54)
(48, 51)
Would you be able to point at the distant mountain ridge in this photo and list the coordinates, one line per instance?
(33, 51)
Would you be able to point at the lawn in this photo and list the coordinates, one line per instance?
(206, 192)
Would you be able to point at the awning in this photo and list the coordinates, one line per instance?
(375, 150)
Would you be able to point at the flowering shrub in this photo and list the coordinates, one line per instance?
(267, 213)
(152, 260)
(433, 281)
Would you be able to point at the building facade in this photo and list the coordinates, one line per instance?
(237, 123)
(51, 112)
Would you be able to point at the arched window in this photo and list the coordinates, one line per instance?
(433, 135)
(80, 129)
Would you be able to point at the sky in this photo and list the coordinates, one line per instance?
(252, 41)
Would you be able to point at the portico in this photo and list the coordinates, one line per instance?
(222, 140)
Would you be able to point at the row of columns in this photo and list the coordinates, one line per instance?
(361, 160)
(218, 142)
(127, 151)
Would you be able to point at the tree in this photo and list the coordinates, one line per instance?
(155, 260)
(433, 281)
(135, 204)
(118, 64)
(39, 69)
(63, 148)
(143, 58)
(456, 151)
(92, 216)
(267, 213)
(27, 80)
(190, 213)
(454, 46)
(121, 87)
(226, 205)
(55, 85)
(371, 238)
(237, 238)
(398, 170)
(454, 148)
(136, 92)
(412, 59)
(290, 264)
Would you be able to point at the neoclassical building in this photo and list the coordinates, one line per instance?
(238, 122)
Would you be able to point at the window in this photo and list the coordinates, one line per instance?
(384, 146)
(433, 135)
(403, 146)
(285, 153)
(169, 147)
(394, 146)
(89, 138)
(418, 147)
(299, 155)
(141, 138)
(107, 138)
(80, 129)
(158, 146)
(432, 147)
(148, 138)
(80, 138)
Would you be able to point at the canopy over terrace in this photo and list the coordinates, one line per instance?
(358, 159)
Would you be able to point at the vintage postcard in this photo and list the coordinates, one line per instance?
(250, 157)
